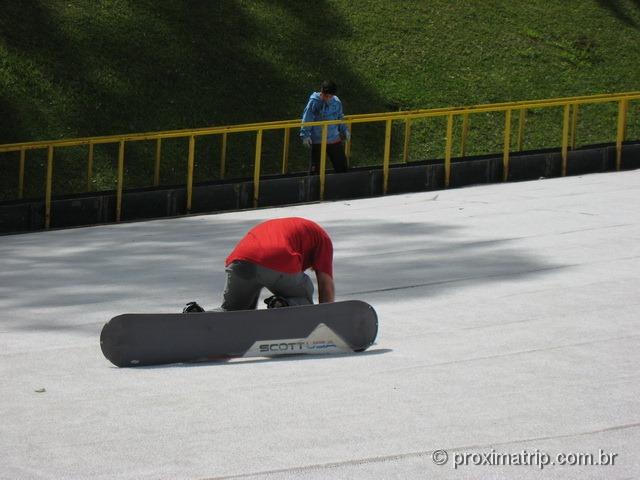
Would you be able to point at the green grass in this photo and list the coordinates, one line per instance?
(75, 68)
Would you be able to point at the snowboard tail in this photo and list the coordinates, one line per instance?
(152, 339)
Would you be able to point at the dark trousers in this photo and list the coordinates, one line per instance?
(335, 152)
(245, 280)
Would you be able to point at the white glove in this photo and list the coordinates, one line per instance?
(306, 142)
(345, 135)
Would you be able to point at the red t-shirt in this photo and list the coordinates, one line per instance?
(289, 245)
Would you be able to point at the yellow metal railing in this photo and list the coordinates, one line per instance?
(570, 107)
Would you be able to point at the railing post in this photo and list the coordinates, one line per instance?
(190, 167)
(465, 132)
(574, 126)
(507, 145)
(256, 169)
(48, 188)
(21, 173)
(120, 181)
(90, 168)
(285, 150)
(565, 138)
(323, 159)
(347, 147)
(407, 140)
(156, 170)
(447, 153)
(522, 118)
(622, 123)
(223, 156)
(387, 157)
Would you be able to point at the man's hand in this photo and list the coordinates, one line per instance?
(345, 135)
(326, 288)
(306, 142)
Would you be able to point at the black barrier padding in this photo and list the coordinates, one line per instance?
(100, 207)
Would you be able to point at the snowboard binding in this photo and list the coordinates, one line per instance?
(276, 301)
(192, 307)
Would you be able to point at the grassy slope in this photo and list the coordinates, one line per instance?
(75, 68)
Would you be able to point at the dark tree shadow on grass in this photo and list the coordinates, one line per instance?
(627, 11)
(150, 66)
(178, 64)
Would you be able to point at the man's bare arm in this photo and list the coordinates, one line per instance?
(326, 288)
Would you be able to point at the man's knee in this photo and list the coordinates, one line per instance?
(298, 287)
(242, 289)
(303, 294)
(233, 302)
(234, 307)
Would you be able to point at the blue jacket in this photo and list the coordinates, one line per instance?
(318, 110)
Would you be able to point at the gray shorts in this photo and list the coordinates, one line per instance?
(245, 280)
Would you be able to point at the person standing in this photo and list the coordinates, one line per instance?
(325, 105)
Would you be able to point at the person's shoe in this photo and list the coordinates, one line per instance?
(192, 307)
(276, 301)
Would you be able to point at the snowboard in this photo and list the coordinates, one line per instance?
(137, 339)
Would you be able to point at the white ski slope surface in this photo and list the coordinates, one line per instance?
(508, 324)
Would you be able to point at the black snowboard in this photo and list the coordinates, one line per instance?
(135, 339)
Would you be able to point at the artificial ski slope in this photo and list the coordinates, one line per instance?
(508, 323)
